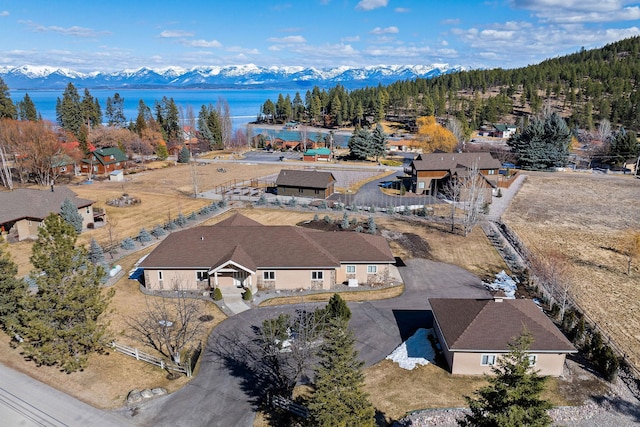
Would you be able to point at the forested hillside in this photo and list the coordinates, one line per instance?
(585, 88)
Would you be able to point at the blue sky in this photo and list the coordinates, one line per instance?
(115, 34)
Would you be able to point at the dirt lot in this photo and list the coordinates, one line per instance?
(583, 216)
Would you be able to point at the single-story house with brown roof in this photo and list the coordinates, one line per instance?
(305, 183)
(239, 253)
(317, 154)
(475, 333)
(431, 172)
(22, 210)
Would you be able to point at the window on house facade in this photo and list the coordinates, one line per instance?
(532, 359)
(202, 276)
(159, 275)
(421, 185)
(269, 275)
(488, 360)
(351, 268)
(300, 190)
(88, 209)
(372, 269)
(492, 171)
(317, 275)
(317, 191)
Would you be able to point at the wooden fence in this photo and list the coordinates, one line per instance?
(187, 369)
(549, 291)
(290, 406)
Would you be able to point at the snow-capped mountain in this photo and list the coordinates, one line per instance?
(234, 76)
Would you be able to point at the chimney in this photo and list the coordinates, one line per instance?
(499, 296)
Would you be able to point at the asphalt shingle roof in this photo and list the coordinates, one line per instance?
(304, 179)
(452, 161)
(488, 325)
(36, 204)
(258, 246)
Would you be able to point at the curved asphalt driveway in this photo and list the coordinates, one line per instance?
(229, 383)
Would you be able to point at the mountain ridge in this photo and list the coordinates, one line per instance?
(27, 77)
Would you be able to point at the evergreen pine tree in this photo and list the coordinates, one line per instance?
(27, 109)
(96, 254)
(371, 225)
(158, 231)
(128, 244)
(512, 397)
(144, 236)
(12, 290)
(379, 141)
(337, 308)
(70, 214)
(345, 221)
(544, 143)
(7, 108)
(69, 110)
(360, 144)
(60, 324)
(339, 398)
(184, 155)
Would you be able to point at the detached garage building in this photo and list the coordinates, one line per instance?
(305, 183)
(475, 333)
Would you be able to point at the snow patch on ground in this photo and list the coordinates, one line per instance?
(504, 283)
(417, 350)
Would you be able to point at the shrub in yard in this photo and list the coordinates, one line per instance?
(292, 201)
(323, 205)
(277, 202)
(316, 218)
(359, 229)
(328, 219)
(180, 221)
(171, 225)
(499, 193)
(247, 295)
(371, 225)
(345, 221)
(217, 294)
(262, 200)
(158, 231)
(192, 216)
(128, 244)
(213, 207)
(222, 203)
(144, 236)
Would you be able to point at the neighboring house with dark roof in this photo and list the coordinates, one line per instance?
(431, 172)
(475, 333)
(103, 161)
(305, 183)
(22, 210)
(239, 253)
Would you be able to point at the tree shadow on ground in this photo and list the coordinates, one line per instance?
(240, 353)
(619, 405)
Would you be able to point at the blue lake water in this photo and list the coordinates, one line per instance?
(244, 104)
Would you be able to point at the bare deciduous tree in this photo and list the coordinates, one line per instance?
(472, 194)
(169, 325)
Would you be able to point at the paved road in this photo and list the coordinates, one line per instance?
(27, 402)
(229, 383)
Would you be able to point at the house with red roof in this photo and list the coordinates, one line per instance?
(239, 253)
(475, 333)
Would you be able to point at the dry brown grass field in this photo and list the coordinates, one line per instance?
(584, 218)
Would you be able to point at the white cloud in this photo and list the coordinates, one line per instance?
(203, 43)
(175, 34)
(387, 30)
(242, 50)
(75, 31)
(580, 11)
(350, 39)
(287, 39)
(452, 21)
(371, 4)
(4, 13)
(402, 10)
